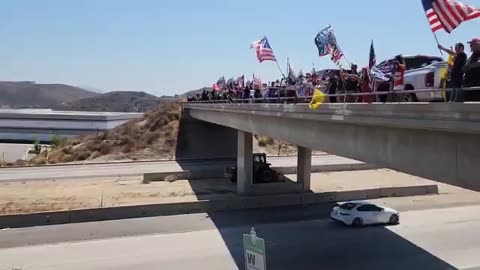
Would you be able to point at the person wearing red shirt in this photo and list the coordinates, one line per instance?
(399, 73)
(365, 87)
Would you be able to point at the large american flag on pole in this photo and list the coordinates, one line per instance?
(448, 14)
(264, 50)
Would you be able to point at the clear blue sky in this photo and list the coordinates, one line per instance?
(168, 47)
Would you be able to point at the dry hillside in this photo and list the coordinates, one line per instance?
(117, 101)
(30, 94)
(153, 136)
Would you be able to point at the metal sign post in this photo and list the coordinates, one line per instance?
(254, 250)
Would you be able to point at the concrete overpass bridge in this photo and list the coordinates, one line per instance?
(439, 141)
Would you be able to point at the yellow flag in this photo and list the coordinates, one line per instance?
(444, 75)
(317, 99)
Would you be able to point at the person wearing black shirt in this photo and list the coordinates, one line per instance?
(456, 71)
(472, 70)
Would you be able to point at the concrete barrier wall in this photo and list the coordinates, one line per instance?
(111, 213)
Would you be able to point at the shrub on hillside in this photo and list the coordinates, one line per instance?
(105, 149)
(67, 158)
(264, 141)
(81, 156)
(152, 136)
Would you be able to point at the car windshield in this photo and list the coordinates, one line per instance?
(348, 206)
(420, 61)
(412, 62)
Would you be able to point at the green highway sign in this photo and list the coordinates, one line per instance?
(254, 250)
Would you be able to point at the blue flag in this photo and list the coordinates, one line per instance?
(322, 41)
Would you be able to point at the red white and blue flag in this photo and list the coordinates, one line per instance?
(264, 50)
(256, 81)
(326, 43)
(448, 14)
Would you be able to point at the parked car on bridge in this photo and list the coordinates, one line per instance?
(359, 213)
(423, 72)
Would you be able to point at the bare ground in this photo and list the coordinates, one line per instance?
(41, 196)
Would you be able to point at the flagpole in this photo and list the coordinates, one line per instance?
(434, 34)
(344, 56)
(438, 43)
(280, 69)
(278, 65)
(288, 66)
(348, 62)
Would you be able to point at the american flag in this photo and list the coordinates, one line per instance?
(256, 81)
(372, 61)
(337, 54)
(326, 43)
(448, 14)
(264, 50)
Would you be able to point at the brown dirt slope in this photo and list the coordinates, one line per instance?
(153, 136)
(117, 101)
(30, 94)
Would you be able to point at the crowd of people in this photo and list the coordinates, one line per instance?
(462, 72)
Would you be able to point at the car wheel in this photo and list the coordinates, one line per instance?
(394, 219)
(357, 222)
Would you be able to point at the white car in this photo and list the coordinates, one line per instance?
(364, 213)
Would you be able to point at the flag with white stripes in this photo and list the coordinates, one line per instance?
(448, 14)
(326, 43)
(264, 50)
(256, 81)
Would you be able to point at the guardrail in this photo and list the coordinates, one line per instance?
(346, 96)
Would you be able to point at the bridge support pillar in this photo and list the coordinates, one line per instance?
(304, 167)
(244, 162)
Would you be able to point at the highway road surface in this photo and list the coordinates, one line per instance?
(444, 238)
(137, 168)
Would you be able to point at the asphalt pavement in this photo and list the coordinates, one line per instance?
(138, 168)
(296, 238)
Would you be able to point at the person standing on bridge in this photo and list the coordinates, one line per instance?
(398, 81)
(399, 73)
(455, 80)
(472, 70)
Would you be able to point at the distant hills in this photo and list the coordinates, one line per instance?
(28, 94)
(117, 101)
(32, 95)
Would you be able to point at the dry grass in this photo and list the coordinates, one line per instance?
(153, 136)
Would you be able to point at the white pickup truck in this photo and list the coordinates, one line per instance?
(423, 72)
